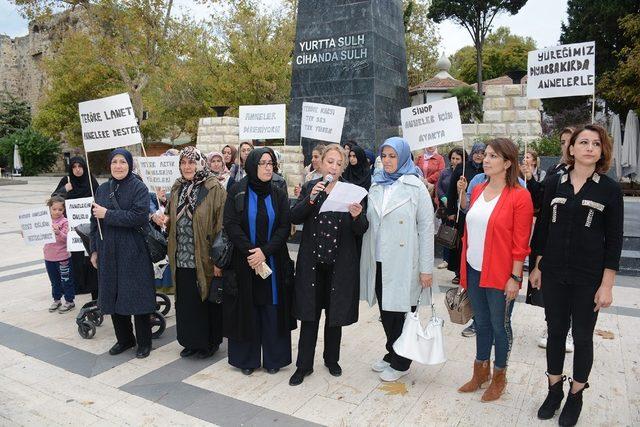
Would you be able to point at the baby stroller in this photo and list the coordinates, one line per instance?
(89, 317)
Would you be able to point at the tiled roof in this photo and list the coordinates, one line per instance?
(502, 80)
(437, 83)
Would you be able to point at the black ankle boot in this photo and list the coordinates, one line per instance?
(572, 407)
(553, 400)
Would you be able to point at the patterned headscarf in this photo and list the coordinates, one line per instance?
(225, 170)
(190, 188)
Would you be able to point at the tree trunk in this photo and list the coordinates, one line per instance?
(479, 67)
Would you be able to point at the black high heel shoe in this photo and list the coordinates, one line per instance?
(572, 407)
(553, 400)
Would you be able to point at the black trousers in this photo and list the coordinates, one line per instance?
(274, 348)
(198, 323)
(124, 329)
(569, 305)
(309, 329)
(392, 322)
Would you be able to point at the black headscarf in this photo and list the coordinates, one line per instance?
(359, 174)
(80, 184)
(128, 157)
(260, 187)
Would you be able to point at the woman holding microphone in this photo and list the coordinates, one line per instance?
(327, 267)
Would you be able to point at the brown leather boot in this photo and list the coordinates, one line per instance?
(481, 374)
(497, 386)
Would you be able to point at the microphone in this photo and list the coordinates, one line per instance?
(327, 180)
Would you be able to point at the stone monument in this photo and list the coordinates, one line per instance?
(350, 53)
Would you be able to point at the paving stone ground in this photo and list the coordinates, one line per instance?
(49, 375)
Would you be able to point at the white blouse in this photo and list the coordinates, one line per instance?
(477, 220)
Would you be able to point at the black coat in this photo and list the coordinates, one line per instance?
(239, 323)
(345, 285)
(125, 271)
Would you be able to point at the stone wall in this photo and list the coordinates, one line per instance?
(21, 73)
(507, 113)
(216, 132)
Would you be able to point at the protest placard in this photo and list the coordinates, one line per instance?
(322, 122)
(262, 121)
(432, 124)
(159, 172)
(566, 70)
(35, 224)
(108, 123)
(78, 212)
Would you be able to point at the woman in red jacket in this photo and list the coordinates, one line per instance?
(494, 246)
(431, 164)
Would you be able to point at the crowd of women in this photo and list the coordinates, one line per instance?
(380, 251)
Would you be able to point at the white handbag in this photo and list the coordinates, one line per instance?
(423, 345)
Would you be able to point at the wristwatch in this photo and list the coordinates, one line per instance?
(516, 278)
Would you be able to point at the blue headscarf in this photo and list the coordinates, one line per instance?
(476, 148)
(127, 156)
(405, 164)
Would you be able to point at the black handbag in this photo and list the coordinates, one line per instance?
(221, 250)
(215, 290)
(155, 241)
(448, 236)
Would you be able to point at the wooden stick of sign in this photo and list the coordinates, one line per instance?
(593, 107)
(464, 163)
(144, 153)
(86, 155)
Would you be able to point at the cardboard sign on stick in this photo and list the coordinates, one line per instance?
(262, 121)
(108, 123)
(428, 125)
(566, 70)
(322, 122)
(159, 172)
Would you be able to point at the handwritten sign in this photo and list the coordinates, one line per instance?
(36, 226)
(322, 122)
(78, 212)
(566, 70)
(159, 171)
(428, 125)
(262, 121)
(108, 123)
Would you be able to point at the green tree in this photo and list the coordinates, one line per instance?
(469, 102)
(476, 16)
(37, 152)
(256, 46)
(14, 115)
(89, 78)
(620, 86)
(422, 40)
(594, 20)
(132, 36)
(503, 52)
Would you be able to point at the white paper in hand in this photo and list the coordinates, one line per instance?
(342, 195)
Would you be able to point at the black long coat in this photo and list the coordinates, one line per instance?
(125, 271)
(345, 285)
(238, 285)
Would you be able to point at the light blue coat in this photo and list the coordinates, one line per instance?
(405, 228)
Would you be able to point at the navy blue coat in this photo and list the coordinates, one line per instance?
(125, 271)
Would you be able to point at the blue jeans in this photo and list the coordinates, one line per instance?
(61, 278)
(492, 316)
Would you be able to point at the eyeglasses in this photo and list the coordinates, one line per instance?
(265, 163)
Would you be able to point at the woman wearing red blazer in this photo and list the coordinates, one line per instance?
(494, 246)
